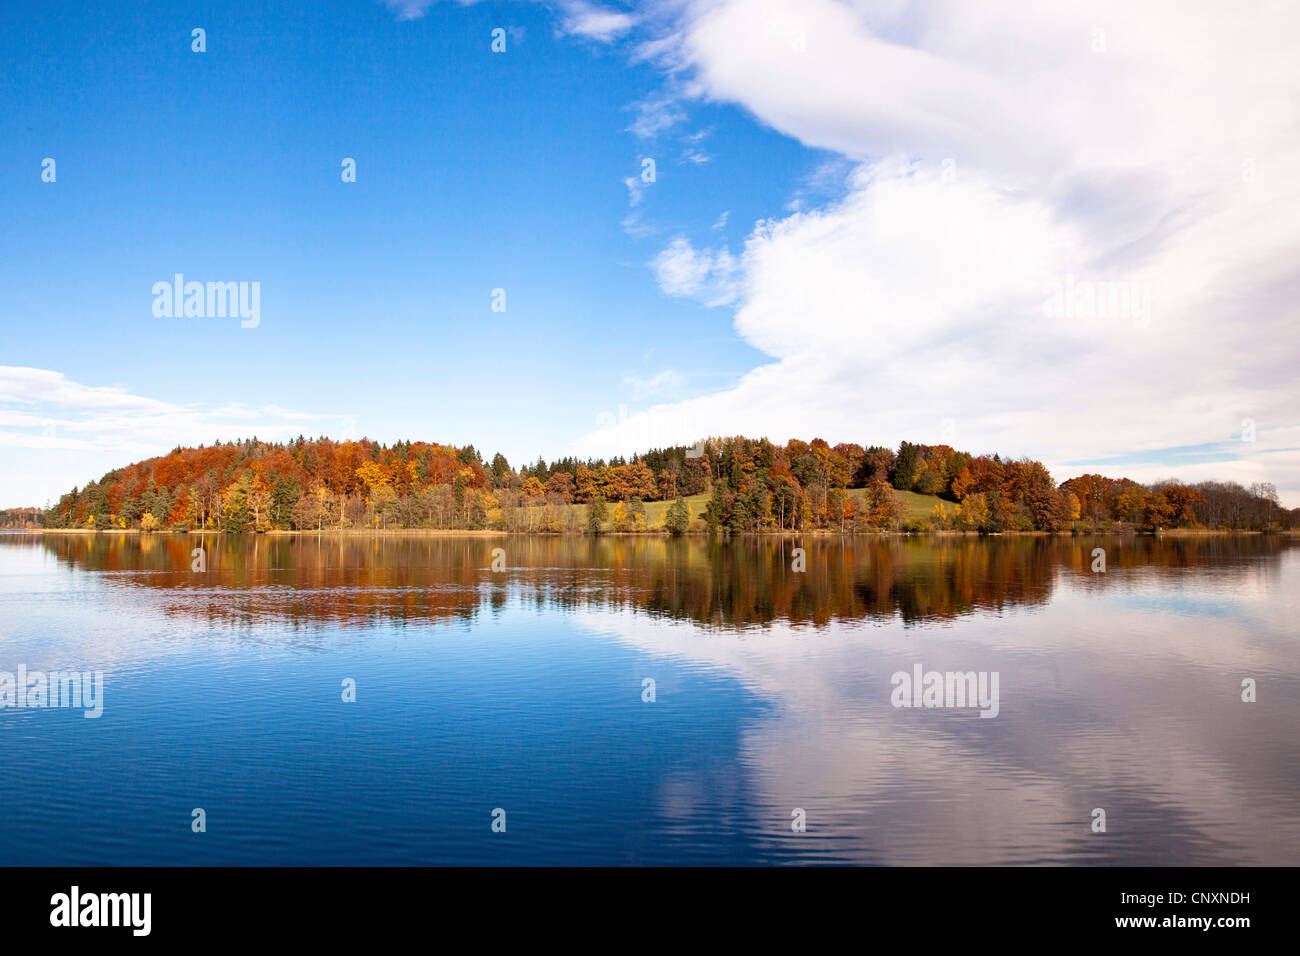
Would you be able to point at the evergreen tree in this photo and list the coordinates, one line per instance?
(678, 518)
(717, 513)
(597, 515)
(284, 495)
(906, 466)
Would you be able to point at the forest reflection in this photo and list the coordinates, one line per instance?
(736, 582)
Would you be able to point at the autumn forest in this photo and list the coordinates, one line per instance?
(722, 485)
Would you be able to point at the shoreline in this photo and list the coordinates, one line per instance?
(818, 533)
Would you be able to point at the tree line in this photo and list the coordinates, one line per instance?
(748, 486)
(20, 518)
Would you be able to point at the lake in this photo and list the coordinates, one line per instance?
(629, 700)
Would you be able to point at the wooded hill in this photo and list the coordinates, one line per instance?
(733, 484)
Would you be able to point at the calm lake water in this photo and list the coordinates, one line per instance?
(522, 689)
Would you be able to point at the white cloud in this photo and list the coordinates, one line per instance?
(993, 156)
(805, 673)
(668, 382)
(409, 9)
(72, 432)
(593, 22)
(633, 226)
(709, 276)
(32, 386)
(635, 190)
(654, 115)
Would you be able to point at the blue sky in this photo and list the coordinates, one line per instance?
(854, 214)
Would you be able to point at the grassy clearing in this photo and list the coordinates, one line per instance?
(913, 506)
(655, 511)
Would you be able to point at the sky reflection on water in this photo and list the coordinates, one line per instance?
(522, 689)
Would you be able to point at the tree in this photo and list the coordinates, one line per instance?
(383, 502)
(906, 467)
(374, 475)
(962, 484)
(678, 518)
(839, 508)
(885, 510)
(285, 494)
(743, 511)
(697, 474)
(1000, 516)
(559, 487)
(258, 500)
(717, 513)
(584, 485)
(785, 499)
(1159, 511)
(972, 513)
(597, 515)
(500, 469)
(928, 482)
(877, 465)
(667, 482)
(312, 510)
(636, 514)
(1182, 501)
(305, 513)
(641, 481)
(1130, 504)
(436, 505)
(234, 505)
(533, 489)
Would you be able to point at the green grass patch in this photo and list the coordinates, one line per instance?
(913, 506)
(655, 511)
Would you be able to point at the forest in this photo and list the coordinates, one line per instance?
(721, 485)
(20, 518)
